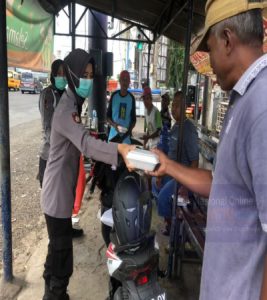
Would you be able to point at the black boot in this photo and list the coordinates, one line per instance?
(54, 295)
(46, 292)
(56, 290)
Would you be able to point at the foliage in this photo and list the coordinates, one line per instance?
(175, 65)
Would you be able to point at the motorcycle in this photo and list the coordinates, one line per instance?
(132, 254)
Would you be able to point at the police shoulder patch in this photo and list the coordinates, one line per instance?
(76, 118)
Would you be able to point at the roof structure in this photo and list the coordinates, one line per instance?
(162, 17)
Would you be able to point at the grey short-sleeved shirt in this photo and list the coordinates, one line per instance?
(68, 140)
(236, 238)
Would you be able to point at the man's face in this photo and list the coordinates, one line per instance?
(124, 83)
(147, 101)
(164, 103)
(220, 61)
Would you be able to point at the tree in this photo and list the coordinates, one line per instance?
(175, 65)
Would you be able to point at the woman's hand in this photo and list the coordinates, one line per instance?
(124, 149)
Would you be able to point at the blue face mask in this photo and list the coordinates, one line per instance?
(85, 88)
(60, 82)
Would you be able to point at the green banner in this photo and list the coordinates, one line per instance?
(29, 35)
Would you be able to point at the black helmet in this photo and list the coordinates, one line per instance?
(132, 208)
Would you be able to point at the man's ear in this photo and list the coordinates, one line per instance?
(228, 40)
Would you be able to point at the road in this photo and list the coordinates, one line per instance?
(23, 108)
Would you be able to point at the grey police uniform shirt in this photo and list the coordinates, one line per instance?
(48, 101)
(68, 140)
(236, 238)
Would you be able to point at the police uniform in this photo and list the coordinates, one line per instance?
(68, 139)
(49, 98)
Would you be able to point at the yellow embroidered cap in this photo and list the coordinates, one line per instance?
(219, 10)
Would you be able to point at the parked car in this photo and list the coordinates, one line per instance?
(30, 84)
(45, 82)
(13, 80)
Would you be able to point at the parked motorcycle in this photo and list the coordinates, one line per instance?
(133, 254)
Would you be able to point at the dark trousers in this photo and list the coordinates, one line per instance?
(42, 166)
(59, 261)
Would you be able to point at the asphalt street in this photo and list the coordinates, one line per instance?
(23, 108)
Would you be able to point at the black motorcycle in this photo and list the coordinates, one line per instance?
(133, 254)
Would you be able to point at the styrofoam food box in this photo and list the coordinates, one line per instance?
(122, 129)
(143, 159)
(107, 218)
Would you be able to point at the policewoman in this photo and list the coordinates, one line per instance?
(68, 140)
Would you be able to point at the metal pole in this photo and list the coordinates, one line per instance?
(93, 36)
(205, 102)
(73, 27)
(5, 151)
(148, 63)
(99, 98)
(140, 68)
(197, 97)
(185, 78)
(173, 252)
(127, 56)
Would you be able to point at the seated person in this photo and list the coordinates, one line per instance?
(163, 188)
(165, 114)
(153, 121)
(121, 111)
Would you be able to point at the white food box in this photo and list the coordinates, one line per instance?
(143, 159)
(122, 129)
(107, 218)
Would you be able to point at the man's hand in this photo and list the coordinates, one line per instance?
(164, 162)
(115, 125)
(145, 138)
(124, 149)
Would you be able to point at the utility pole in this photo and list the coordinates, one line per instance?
(155, 63)
(5, 182)
(97, 23)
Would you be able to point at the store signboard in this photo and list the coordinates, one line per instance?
(29, 35)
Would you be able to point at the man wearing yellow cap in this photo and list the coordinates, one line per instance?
(236, 234)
